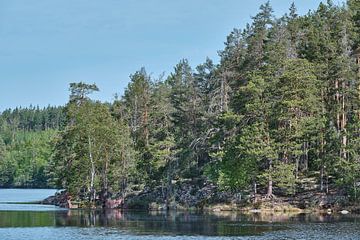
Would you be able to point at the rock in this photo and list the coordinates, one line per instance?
(49, 201)
(344, 212)
(61, 199)
(255, 211)
(114, 203)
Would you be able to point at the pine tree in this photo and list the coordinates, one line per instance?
(186, 115)
(296, 110)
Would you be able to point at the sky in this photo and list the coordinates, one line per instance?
(47, 44)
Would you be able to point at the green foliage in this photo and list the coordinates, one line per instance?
(354, 10)
(24, 162)
(348, 170)
(297, 108)
(137, 111)
(30, 119)
(300, 90)
(95, 148)
(240, 162)
(79, 92)
(282, 174)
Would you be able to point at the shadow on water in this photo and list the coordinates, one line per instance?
(162, 223)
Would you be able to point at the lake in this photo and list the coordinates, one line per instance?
(34, 222)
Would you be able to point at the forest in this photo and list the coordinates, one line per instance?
(25, 145)
(281, 106)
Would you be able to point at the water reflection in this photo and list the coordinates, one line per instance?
(160, 223)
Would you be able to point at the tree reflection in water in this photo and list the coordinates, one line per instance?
(167, 223)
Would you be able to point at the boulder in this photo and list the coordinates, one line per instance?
(344, 212)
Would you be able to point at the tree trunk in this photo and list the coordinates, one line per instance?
(327, 184)
(297, 163)
(322, 147)
(305, 162)
(135, 115)
(92, 171)
(270, 182)
(355, 190)
(105, 187)
(224, 93)
(146, 129)
(255, 192)
(270, 187)
(322, 177)
(343, 122)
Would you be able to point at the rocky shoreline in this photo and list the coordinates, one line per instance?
(207, 197)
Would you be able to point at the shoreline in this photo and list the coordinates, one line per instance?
(263, 207)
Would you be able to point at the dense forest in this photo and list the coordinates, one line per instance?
(25, 145)
(282, 105)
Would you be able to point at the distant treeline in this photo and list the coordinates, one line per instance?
(25, 145)
(33, 118)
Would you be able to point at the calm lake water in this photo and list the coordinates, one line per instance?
(34, 222)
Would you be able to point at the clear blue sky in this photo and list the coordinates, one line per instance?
(46, 44)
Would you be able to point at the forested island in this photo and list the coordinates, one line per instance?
(276, 123)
